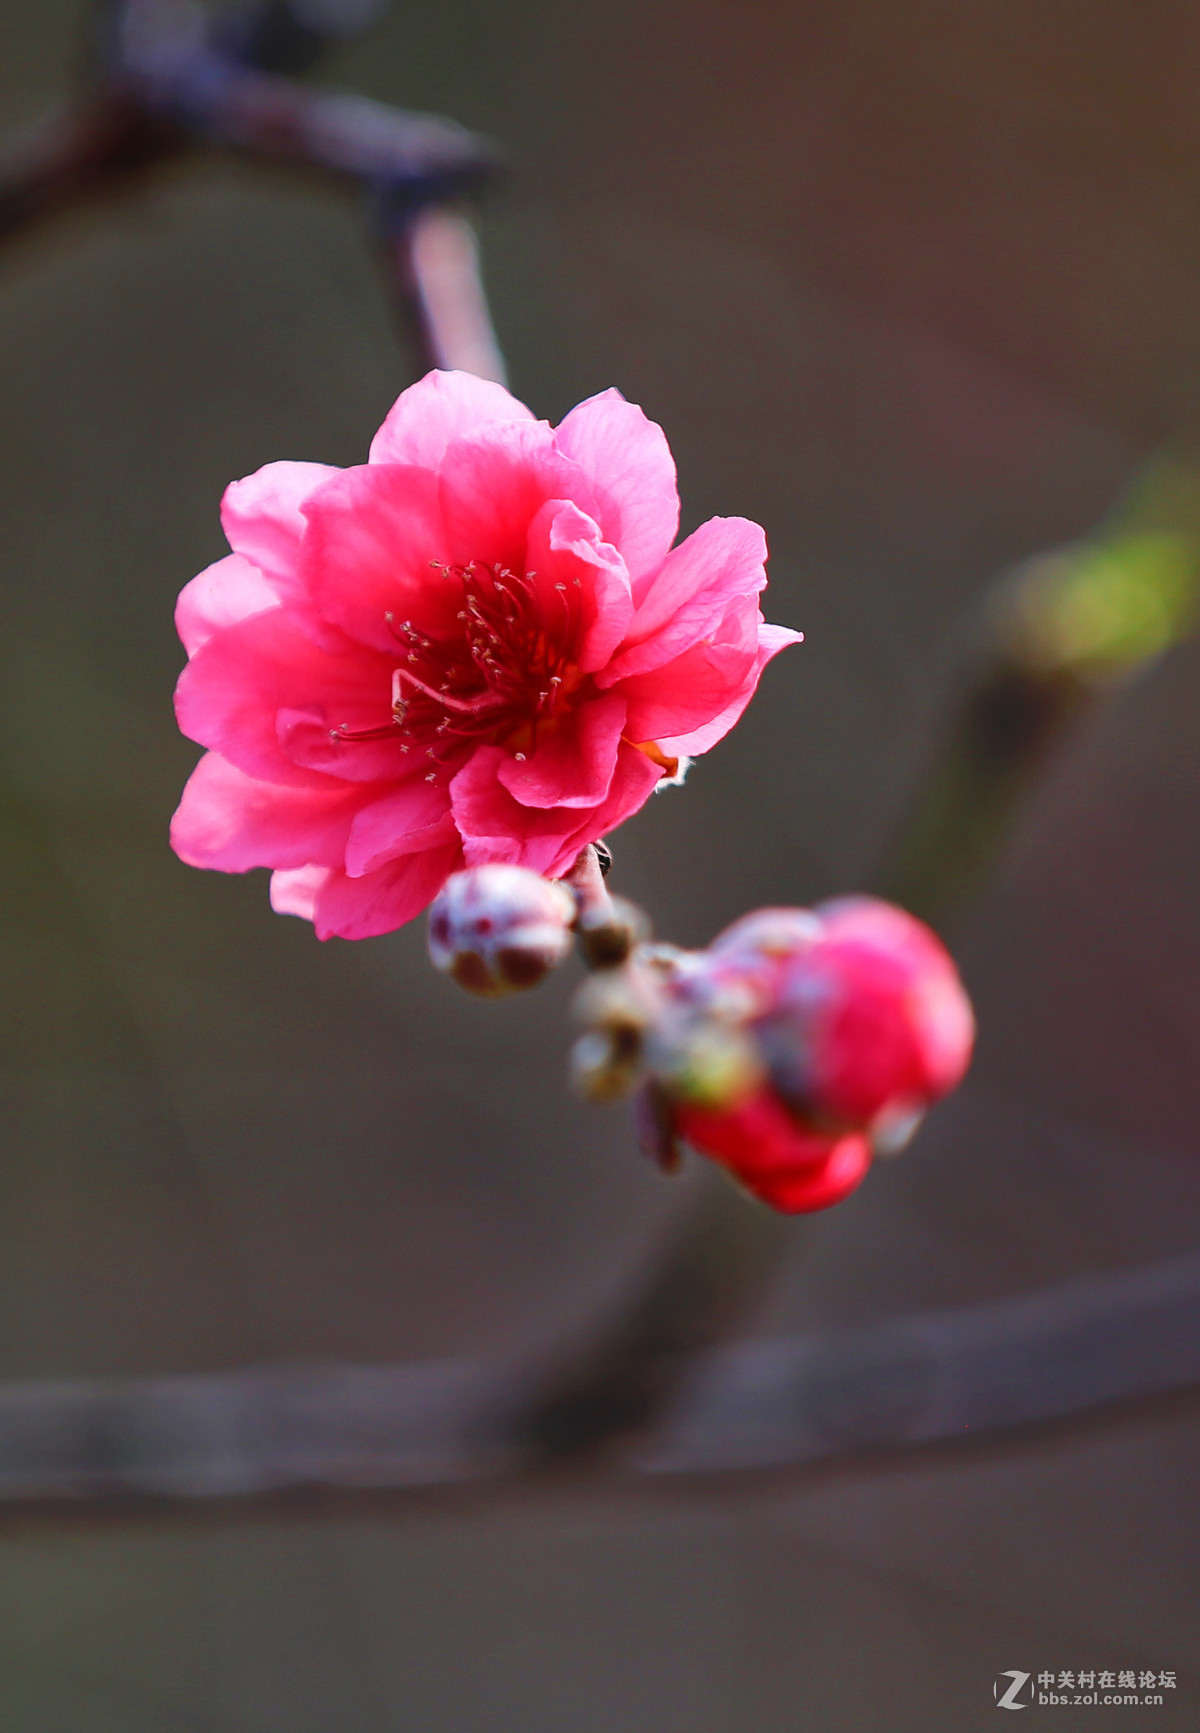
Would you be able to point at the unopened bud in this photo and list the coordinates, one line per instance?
(780, 933)
(708, 1062)
(498, 929)
(700, 1047)
(608, 935)
(606, 1063)
(790, 1166)
(805, 1041)
(617, 999)
(870, 1024)
(617, 1008)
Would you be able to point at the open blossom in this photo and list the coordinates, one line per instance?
(480, 646)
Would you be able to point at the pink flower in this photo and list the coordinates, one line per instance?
(479, 646)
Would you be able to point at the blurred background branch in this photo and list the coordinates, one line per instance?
(998, 1373)
(164, 79)
(1059, 635)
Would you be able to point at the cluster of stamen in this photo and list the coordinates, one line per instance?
(508, 674)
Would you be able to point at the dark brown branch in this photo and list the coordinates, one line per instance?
(699, 1285)
(157, 89)
(941, 1375)
(75, 154)
(952, 1377)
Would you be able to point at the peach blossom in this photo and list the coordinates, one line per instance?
(479, 646)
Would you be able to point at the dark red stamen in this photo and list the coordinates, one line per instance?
(504, 674)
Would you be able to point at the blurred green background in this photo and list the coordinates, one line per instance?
(918, 287)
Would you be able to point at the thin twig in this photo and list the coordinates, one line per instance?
(434, 264)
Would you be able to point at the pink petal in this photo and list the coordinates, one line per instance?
(261, 515)
(803, 1190)
(634, 781)
(565, 548)
(437, 409)
(495, 827)
(294, 892)
(717, 565)
(230, 821)
(492, 484)
(361, 908)
(231, 691)
(631, 472)
(698, 686)
(222, 594)
(407, 820)
(574, 762)
(315, 737)
(771, 640)
(372, 533)
(791, 1167)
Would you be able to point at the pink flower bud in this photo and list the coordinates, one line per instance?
(788, 1165)
(858, 1021)
(870, 1022)
(747, 960)
(497, 929)
(768, 937)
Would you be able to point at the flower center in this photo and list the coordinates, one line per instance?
(503, 676)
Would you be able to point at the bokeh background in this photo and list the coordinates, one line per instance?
(917, 286)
